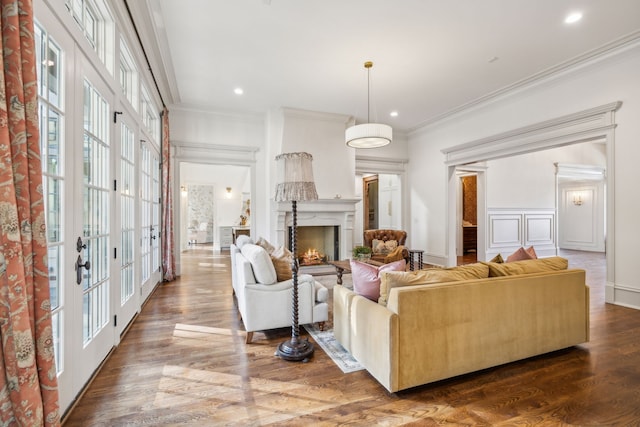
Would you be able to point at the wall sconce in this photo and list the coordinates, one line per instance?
(183, 190)
(228, 195)
(577, 199)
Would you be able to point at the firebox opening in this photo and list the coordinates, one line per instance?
(317, 244)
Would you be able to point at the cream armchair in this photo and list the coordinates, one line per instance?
(264, 306)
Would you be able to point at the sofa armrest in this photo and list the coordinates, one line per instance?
(374, 340)
(342, 298)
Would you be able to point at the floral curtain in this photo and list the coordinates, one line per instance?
(28, 381)
(168, 256)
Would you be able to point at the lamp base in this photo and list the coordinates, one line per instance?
(300, 351)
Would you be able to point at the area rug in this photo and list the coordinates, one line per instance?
(334, 350)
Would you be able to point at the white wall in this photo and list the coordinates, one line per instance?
(614, 78)
(322, 135)
(529, 180)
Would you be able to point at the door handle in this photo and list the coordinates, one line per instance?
(79, 266)
(79, 245)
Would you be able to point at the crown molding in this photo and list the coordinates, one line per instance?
(288, 112)
(612, 48)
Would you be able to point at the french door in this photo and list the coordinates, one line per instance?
(92, 207)
(127, 299)
(102, 204)
(149, 218)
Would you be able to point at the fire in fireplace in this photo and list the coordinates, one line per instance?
(317, 244)
(312, 257)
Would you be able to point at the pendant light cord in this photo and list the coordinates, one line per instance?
(368, 95)
(368, 66)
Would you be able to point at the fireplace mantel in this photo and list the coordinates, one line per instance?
(338, 212)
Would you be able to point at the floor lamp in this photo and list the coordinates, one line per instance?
(295, 183)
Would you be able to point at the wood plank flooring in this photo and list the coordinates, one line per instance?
(184, 362)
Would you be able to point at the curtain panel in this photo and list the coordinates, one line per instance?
(168, 255)
(28, 380)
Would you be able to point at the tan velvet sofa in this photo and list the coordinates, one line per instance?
(430, 332)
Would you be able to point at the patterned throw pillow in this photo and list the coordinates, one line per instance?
(380, 247)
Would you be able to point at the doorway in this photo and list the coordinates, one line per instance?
(558, 132)
(370, 197)
(467, 243)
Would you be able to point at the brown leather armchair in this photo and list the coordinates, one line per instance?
(400, 236)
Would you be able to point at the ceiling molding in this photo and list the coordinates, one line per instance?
(242, 116)
(612, 48)
(148, 21)
(314, 115)
(196, 152)
(587, 125)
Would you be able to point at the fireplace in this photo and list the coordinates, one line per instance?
(317, 244)
(334, 214)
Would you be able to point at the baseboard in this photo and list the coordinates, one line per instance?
(622, 295)
(439, 260)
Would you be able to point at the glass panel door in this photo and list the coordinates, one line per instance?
(93, 246)
(126, 249)
(51, 113)
(149, 217)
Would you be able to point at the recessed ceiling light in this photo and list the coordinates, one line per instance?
(393, 114)
(238, 91)
(573, 17)
(492, 60)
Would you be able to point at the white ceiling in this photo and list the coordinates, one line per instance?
(430, 57)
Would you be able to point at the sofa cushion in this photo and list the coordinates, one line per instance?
(527, 266)
(242, 240)
(366, 277)
(261, 264)
(390, 280)
(282, 259)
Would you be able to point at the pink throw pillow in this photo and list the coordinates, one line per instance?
(532, 252)
(366, 277)
(519, 255)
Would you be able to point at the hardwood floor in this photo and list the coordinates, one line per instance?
(184, 362)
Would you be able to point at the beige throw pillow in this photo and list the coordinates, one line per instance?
(282, 259)
(266, 245)
(393, 279)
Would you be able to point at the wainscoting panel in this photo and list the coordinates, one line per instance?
(539, 229)
(505, 230)
(509, 229)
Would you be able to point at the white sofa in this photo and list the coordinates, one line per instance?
(267, 304)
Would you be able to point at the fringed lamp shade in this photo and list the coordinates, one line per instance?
(295, 178)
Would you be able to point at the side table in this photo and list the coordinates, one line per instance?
(412, 256)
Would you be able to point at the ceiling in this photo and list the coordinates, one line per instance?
(431, 57)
